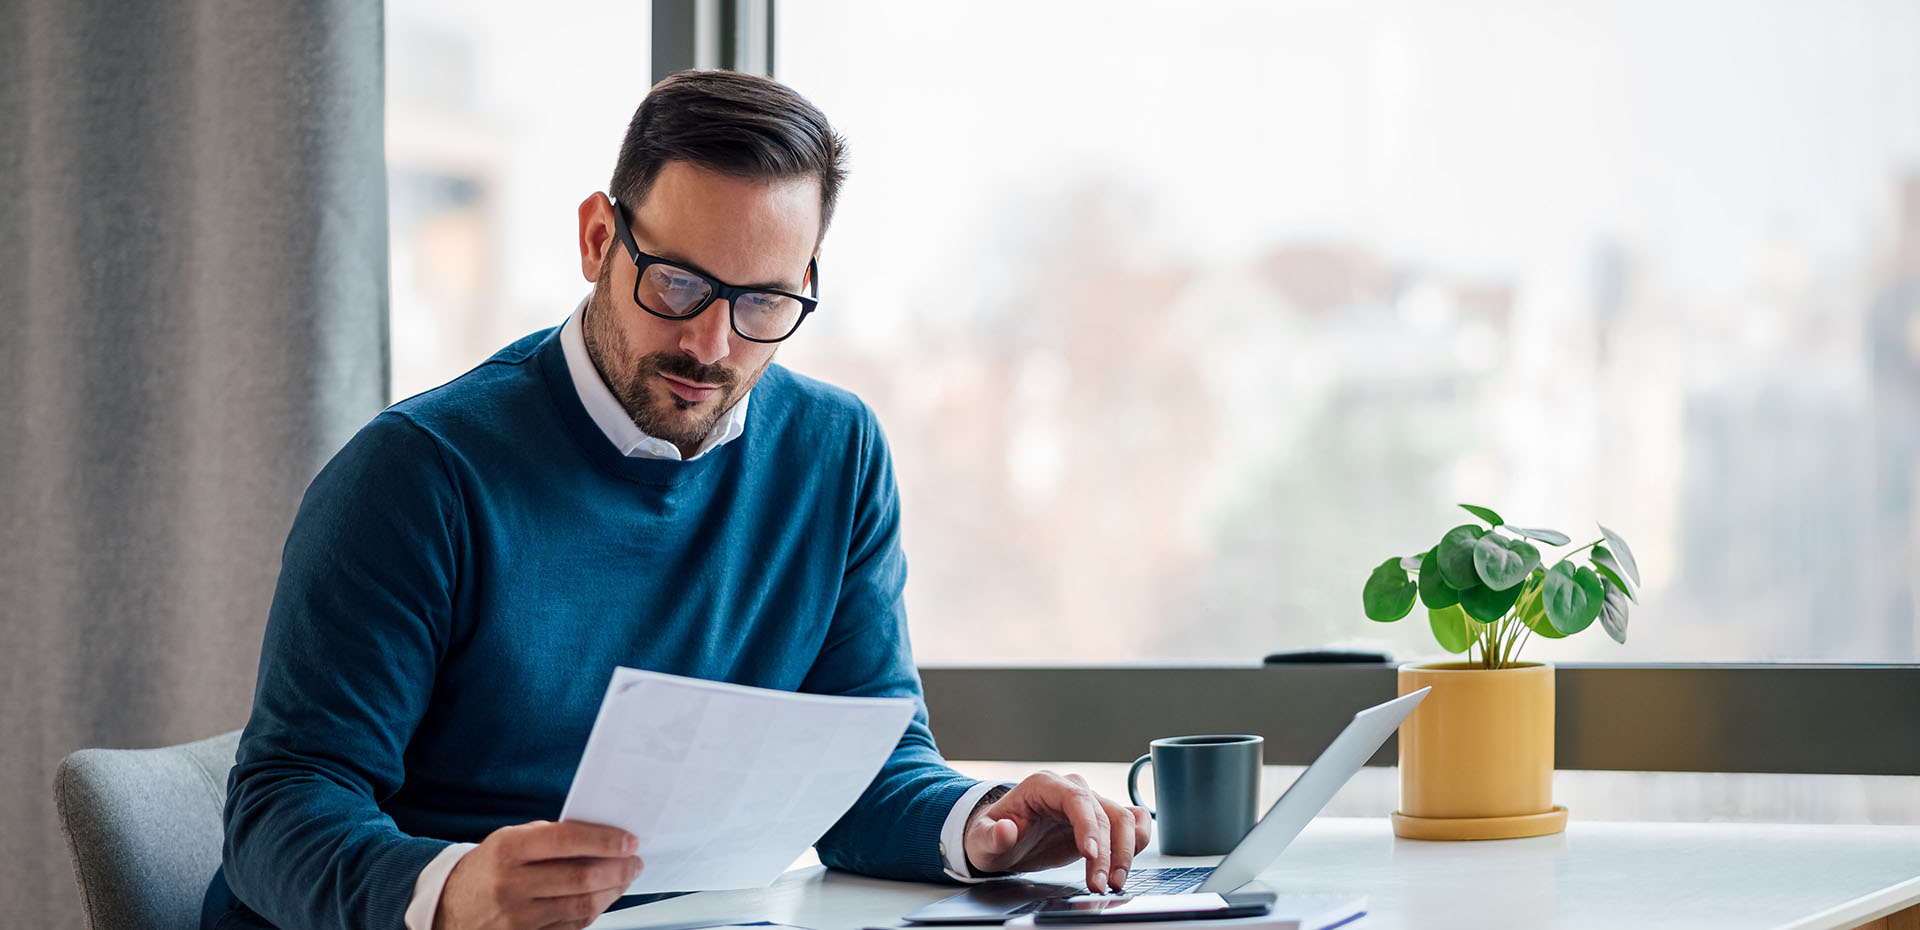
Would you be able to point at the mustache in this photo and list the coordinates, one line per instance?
(686, 369)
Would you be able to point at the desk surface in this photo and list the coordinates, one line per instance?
(1598, 875)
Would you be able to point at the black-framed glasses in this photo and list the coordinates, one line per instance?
(673, 291)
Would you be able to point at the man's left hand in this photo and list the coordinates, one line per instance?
(1049, 820)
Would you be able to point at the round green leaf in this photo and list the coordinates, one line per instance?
(1550, 537)
(1501, 562)
(1389, 593)
(1622, 553)
(1434, 590)
(1532, 610)
(1613, 611)
(1573, 597)
(1450, 628)
(1493, 519)
(1487, 605)
(1609, 569)
(1455, 553)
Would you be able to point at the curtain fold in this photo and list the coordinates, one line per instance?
(193, 219)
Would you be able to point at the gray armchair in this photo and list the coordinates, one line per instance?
(143, 826)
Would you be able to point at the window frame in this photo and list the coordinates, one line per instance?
(735, 35)
(1784, 719)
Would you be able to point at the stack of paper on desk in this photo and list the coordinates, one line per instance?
(726, 785)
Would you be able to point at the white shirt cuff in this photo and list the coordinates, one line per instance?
(952, 835)
(427, 888)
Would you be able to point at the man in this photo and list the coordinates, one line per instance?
(639, 487)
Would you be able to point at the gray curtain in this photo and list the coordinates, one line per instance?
(193, 226)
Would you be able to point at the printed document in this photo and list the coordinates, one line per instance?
(726, 785)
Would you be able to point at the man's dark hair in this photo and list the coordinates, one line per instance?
(736, 124)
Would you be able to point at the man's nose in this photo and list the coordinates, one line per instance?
(705, 337)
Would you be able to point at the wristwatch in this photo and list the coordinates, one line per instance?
(993, 795)
(987, 800)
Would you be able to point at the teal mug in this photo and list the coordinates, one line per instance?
(1208, 789)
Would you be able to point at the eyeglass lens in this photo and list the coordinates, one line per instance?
(674, 291)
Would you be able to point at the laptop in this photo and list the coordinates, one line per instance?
(1001, 899)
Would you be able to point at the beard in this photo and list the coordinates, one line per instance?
(635, 382)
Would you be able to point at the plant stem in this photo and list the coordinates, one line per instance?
(1516, 635)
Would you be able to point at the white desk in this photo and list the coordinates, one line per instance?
(1598, 875)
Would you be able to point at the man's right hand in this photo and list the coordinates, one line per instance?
(538, 875)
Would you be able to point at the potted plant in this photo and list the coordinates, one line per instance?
(1476, 758)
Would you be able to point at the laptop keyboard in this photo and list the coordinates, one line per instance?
(1147, 881)
(1166, 881)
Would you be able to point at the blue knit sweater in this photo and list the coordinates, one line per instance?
(465, 574)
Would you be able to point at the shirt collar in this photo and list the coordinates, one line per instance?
(613, 419)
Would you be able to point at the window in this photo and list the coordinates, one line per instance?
(1180, 318)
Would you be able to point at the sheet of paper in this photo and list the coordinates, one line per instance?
(726, 785)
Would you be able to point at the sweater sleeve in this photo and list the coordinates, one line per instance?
(893, 830)
(359, 621)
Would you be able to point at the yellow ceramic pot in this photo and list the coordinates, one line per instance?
(1476, 757)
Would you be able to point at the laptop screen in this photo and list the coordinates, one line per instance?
(1311, 792)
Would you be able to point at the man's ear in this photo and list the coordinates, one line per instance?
(596, 234)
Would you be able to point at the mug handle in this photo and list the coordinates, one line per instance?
(1133, 784)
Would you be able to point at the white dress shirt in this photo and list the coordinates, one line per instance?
(620, 430)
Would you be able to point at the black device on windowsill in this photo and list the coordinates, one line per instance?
(1099, 908)
(1328, 656)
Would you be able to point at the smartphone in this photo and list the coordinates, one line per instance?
(1092, 908)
